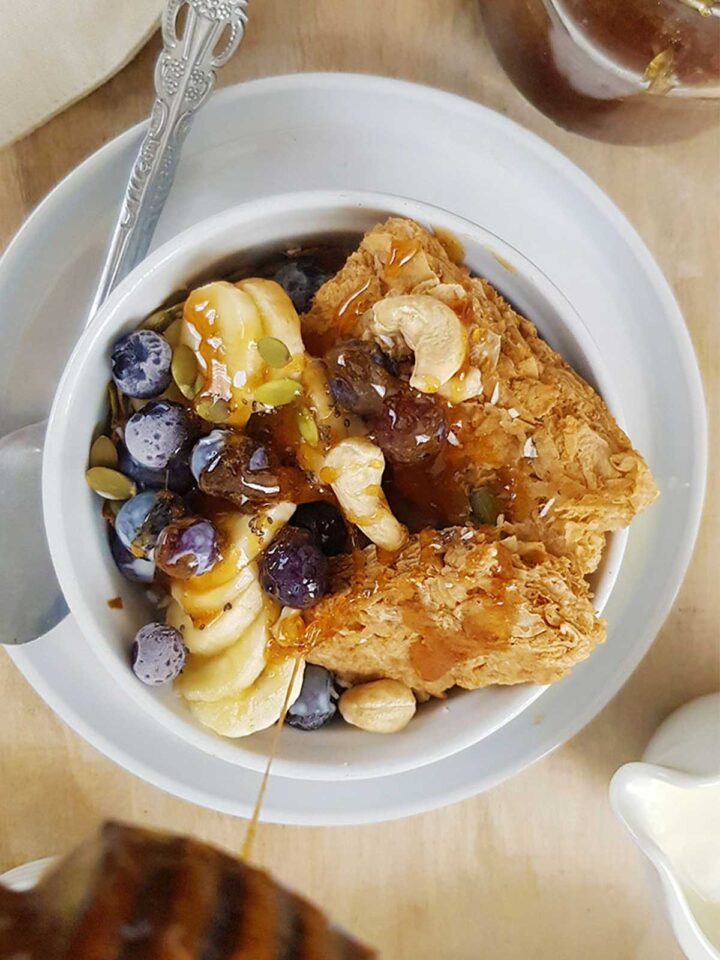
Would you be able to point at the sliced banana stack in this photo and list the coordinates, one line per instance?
(229, 682)
(225, 324)
(256, 707)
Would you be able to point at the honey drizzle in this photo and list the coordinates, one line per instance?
(318, 342)
(401, 252)
(251, 832)
(352, 303)
(452, 244)
(199, 318)
(433, 654)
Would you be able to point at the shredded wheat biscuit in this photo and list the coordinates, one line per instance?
(494, 605)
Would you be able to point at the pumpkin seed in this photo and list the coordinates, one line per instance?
(174, 332)
(113, 402)
(110, 510)
(110, 484)
(276, 393)
(273, 351)
(307, 426)
(185, 370)
(161, 319)
(119, 406)
(213, 409)
(173, 393)
(484, 506)
(103, 453)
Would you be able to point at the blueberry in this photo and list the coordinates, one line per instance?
(131, 518)
(187, 548)
(141, 519)
(176, 476)
(155, 434)
(325, 523)
(141, 364)
(134, 568)
(158, 653)
(301, 277)
(293, 569)
(316, 704)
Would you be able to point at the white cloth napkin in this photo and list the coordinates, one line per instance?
(53, 52)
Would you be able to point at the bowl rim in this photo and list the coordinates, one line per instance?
(193, 238)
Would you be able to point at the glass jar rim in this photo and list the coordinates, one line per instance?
(706, 8)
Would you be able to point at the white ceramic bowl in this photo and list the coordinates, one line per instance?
(76, 531)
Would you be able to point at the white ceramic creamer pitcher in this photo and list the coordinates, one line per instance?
(670, 803)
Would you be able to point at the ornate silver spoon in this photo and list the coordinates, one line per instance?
(30, 599)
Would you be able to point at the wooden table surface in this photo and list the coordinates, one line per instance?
(538, 867)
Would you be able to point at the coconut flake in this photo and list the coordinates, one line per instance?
(496, 393)
(513, 412)
(530, 450)
(158, 599)
(546, 507)
(452, 439)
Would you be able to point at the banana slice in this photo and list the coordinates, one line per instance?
(244, 536)
(211, 638)
(317, 390)
(251, 534)
(228, 673)
(257, 707)
(222, 324)
(205, 606)
(277, 311)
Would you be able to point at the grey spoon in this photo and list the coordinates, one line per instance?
(31, 602)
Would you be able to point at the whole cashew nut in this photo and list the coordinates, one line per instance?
(430, 328)
(354, 469)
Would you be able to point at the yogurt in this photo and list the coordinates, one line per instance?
(670, 803)
(685, 824)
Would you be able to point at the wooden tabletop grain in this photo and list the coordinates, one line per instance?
(538, 867)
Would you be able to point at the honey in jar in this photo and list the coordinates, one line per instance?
(626, 71)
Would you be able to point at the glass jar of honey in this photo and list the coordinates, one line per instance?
(627, 71)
